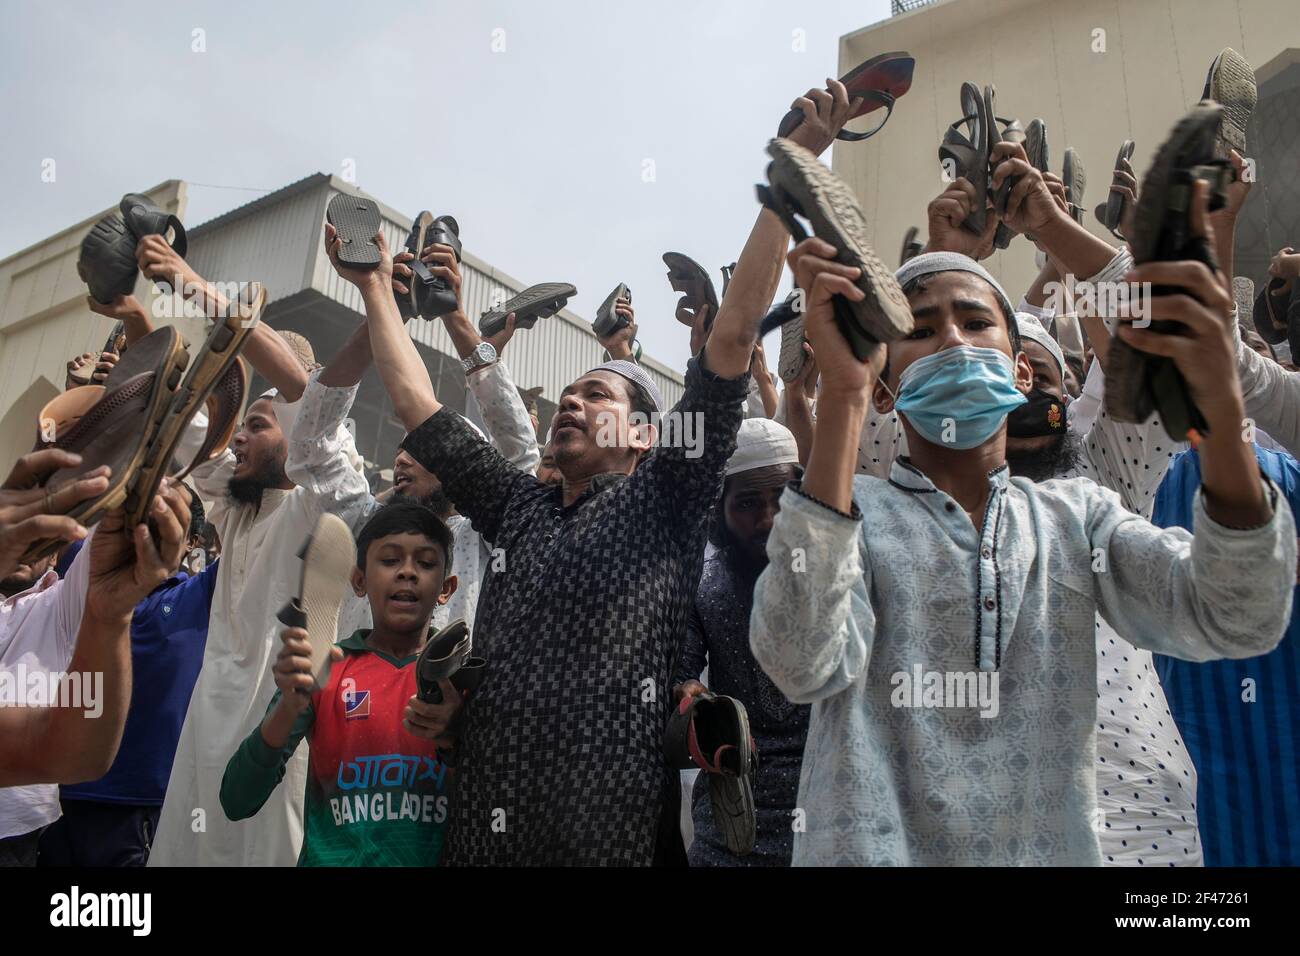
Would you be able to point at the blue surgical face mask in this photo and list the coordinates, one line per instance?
(959, 397)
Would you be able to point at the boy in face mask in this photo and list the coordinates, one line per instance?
(941, 622)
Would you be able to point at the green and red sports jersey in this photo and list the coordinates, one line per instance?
(376, 794)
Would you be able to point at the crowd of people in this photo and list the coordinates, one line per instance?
(934, 604)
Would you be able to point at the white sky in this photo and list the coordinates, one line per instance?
(539, 150)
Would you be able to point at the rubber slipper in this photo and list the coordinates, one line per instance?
(1270, 311)
(430, 296)
(726, 277)
(1138, 383)
(108, 425)
(911, 245)
(732, 801)
(536, 302)
(356, 219)
(210, 369)
(1034, 138)
(608, 321)
(444, 654)
(1110, 213)
(407, 305)
(802, 186)
(328, 556)
(688, 277)
(966, 155)
(876, 83)
(791, 358)
(1230, 82)
(107, 263)
(711, 732)
(1076, 181)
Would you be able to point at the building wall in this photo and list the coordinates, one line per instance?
(276, 240)
(1039, 55)
(44, 321)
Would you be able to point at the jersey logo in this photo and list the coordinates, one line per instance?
(356, 704)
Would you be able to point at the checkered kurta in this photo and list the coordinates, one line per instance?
(580, 615)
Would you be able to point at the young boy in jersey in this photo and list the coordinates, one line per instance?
(377, 785)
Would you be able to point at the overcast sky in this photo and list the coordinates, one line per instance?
(541, 150)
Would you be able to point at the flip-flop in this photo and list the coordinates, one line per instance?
(1138, 383)
(1230, 82)
(328, 556)
(214, 369)
(608, 321)
(1076, 181)
(107, 263)
(911, 245)
(444, 654)
(802, 186)
(536, 302)
(687, 276)
(726, 277)
(711, 732)
(429, 297)
(1110, 212)
(791, 358)
(966, 155)
(1034, 138)
(356, 219)
(109, 425)
(876, 83)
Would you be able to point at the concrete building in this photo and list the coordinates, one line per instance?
(278, 241)
(1096, 72)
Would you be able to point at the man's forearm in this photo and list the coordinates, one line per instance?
(749, 296)
(1234, 496)
(464, 337)
(136, 325)
(1078, 251)
(403, 373)
(350, 362)
(65, 745)
(834, 456)
(272, 358)
(1037, 294)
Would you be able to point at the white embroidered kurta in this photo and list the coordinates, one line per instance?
(913, 584)
(259, 571)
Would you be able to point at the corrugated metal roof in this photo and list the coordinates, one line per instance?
(285, 252)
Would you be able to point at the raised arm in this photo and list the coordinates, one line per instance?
(730, 345)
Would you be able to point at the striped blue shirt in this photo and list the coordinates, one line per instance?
(1240, 719)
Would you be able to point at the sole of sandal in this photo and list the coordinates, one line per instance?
(790, 362)
(170, 369)
(219, 351)
(421, 227)
(1231, 84)
(356, 219)
(1131, 375)
(1115, 205)
(833, 211)
(687, 276)
(535, 302)
(328, 559)
(732, 799)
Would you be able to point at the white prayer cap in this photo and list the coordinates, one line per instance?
(1031, 328)
(762, 442)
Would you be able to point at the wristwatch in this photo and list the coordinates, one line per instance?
(483, 354)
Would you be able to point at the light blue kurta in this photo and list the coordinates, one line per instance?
(846, 605)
